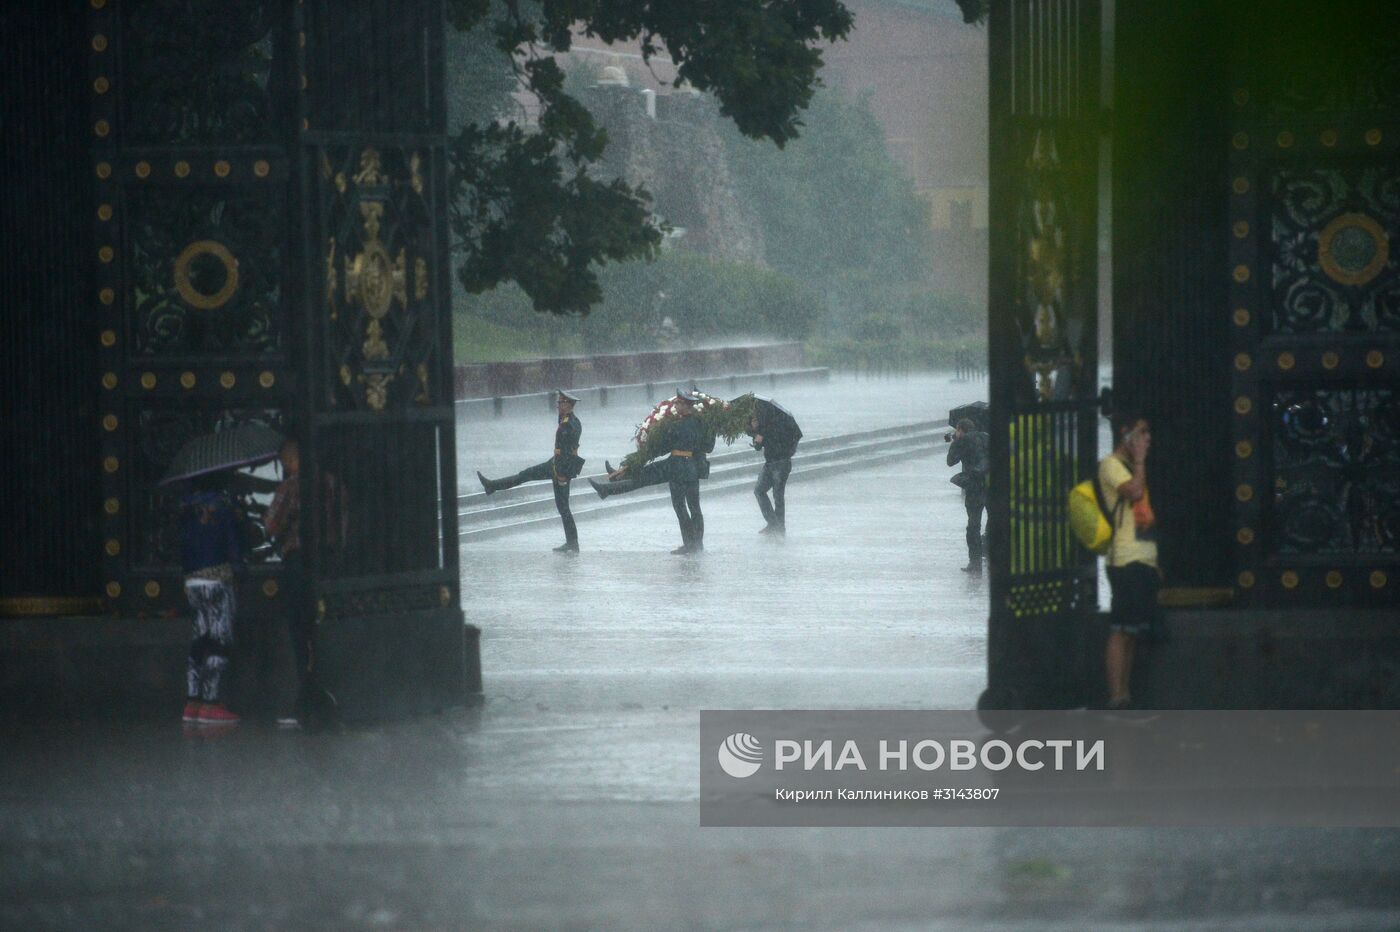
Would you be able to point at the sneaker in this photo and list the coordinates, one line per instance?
(214, 713)
(192, 709)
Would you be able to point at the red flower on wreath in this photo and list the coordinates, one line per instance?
(667, 408)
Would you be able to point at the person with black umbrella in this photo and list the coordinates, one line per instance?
(212, 557)
(776, 433)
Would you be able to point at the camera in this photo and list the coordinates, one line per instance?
(948, 437)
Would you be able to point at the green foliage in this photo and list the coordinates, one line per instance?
(476, 339)
(836, 209)
(726, 420)
(841, 216)
(524, 207)
(706, 299)
(909, 329)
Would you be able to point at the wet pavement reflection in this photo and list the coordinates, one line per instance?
(568, 799)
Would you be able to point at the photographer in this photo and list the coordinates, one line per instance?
(969, 446)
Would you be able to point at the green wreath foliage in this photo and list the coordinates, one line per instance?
(725, 420)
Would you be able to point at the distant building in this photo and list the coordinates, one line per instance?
(924, 73)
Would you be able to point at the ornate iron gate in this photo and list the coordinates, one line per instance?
(1045, 132)
(1314, 280)
(271, 246)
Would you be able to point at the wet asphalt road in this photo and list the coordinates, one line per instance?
(568, 799)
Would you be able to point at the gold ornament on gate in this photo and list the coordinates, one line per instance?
(369, 173)
(191, 295)
(372, 278)
(1353, 249)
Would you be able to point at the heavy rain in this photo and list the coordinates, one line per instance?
(436, 409)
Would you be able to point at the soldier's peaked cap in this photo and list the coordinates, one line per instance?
(687, 396)
(565, 396)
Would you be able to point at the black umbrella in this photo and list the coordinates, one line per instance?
(235, 447)
(776, 413)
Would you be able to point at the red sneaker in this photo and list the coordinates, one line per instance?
(192, 710)
(214, 713)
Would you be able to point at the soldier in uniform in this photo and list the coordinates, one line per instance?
(683, 470)
(564, 466)
(686, 467)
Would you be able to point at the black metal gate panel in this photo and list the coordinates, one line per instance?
(1045, 133)
(195, 296)
(1314, 279)
(271, 246)
(49, 487)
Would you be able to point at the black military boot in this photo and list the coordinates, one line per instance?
(568, 546)
(974, 564)
(604, 489)
(494, 485)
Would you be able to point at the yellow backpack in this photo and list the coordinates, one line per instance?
(1088, 517)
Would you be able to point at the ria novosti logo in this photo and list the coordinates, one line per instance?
(740, 755)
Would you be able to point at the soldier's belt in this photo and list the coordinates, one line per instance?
(682, 453)
(557, 451)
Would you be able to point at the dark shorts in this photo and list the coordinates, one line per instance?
(1134, 598)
